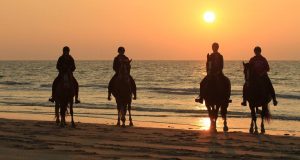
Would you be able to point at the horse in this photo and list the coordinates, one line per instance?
(256, 93)
(122, 91)
(217, 96)
(64, 96)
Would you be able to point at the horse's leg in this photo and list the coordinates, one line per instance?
(224, 113)
(262, 114)
(253, 116)
(216, 117)
(210, 116)
(123, 112)
(119, 112)
(71, 111)
(57, 113)
(255, 124)
(129, 111)
(213, 119)
(62, 115)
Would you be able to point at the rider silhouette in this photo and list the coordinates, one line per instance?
(214, 68)
(64, 64)
(260, 67)
(116, 66)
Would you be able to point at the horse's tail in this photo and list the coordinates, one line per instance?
(267, 114)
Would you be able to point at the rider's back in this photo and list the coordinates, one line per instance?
(259, 65)
(65, 63)
(216, 63)
(117, 62)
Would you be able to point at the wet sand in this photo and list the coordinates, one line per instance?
(29, 139)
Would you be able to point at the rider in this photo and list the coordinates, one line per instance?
(214, 67)
(65, 63)
(116, 67)
(260, 68)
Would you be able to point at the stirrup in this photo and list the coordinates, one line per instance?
(275, 102)
(51, 99)
(244, 103)
(77, 101)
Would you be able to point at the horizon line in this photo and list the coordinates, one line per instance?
(142, 60)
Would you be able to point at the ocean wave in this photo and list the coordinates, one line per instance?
(15, 83)
(288, 96)
(46, 85)
(94, 85)
(195, 91)
(182, 91)
(84, 85)
(176, 91)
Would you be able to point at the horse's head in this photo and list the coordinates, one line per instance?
(247, 71)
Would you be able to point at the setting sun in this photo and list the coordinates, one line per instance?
(209, 17)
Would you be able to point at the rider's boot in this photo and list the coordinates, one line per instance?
(200, 100)
(109, 95)
(76, 99)
(275, 102)
(51, 99)
(244, 103)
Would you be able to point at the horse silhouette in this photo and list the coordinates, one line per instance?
(64, 95)
(257, 94)
(122, 91)
(217, 91)
(217, 96)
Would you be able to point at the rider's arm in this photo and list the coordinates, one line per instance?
(73, 67)
(222, 63)
(267, 65)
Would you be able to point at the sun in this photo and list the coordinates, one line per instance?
(209, 17)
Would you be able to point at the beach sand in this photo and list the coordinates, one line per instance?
(32, 139)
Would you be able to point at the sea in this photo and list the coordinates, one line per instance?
(166, 92)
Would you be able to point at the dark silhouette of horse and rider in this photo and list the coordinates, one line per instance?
(64, 87)
(122, 86)
(215, 88)
(258, 89)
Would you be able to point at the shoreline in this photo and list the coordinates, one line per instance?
(197, 124)
(31, 139)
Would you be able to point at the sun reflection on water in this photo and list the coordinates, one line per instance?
(204, 123)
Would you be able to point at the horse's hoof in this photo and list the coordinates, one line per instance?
(123, 126)
(73, 125)
(57, 122)
(255, 132)
(118, 124)
(263, 131)
(62, 125)
(213, 130)
(251, 130)
(131, 124)
(225, 129)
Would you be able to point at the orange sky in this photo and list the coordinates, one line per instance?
(148, 29)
